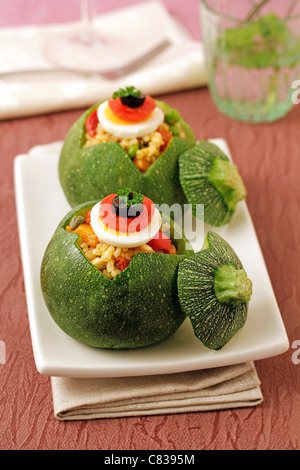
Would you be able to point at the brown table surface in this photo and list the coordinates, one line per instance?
(268, 157)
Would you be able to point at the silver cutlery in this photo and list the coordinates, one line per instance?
(107, 74)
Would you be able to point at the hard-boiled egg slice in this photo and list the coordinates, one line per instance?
(124, 240)
(130, 130)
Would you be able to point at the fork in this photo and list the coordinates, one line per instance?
(108, 74)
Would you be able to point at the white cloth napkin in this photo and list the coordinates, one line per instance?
(179, 67)
(235, 386)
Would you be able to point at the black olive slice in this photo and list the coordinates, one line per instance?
(133, 101)
(120, 207)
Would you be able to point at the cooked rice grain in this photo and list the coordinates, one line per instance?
(104, 256)
(149, 144)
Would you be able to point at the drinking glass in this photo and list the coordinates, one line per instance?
(253, 56)
(83, 46)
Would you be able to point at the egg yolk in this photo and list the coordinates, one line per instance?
(110, 115)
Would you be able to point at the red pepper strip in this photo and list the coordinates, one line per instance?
(166, 135)
(91, 123)
(123, 224)
(132, 114)
(122, 262)
(88, 217)
(172, 250)
(160, 242)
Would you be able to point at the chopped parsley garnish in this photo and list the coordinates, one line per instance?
(130, 198)
(128, 91)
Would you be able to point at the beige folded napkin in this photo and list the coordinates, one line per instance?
(179, 67)
(235, 386)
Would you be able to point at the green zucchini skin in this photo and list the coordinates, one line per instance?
(214, 322)
(138, 308)
(91, 173)
(204, 183)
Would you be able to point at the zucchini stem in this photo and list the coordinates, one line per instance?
(227, 180)
(232, 285)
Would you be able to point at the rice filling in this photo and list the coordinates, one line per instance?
(108, 259)
(148, 148)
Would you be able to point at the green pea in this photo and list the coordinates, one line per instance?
(174, 130)
(172, 116)
(132, 150)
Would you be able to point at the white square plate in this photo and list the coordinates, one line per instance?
(41, 205)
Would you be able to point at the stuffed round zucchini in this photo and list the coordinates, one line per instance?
(118, 274)
(129, 140)
(143, 143)
(109, 274)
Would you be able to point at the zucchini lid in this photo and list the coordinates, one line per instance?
(208, 177)
(214, 292)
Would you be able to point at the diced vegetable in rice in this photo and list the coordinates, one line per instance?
(143, 150)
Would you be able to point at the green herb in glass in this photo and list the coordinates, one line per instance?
(265, 42)
(252, 64)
